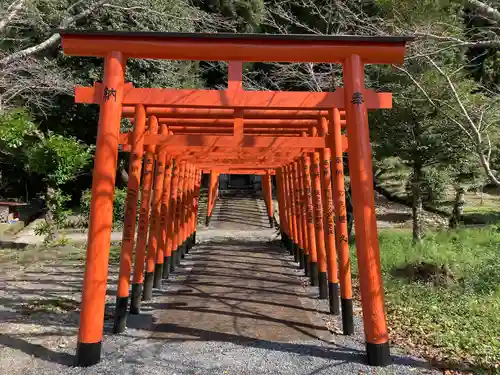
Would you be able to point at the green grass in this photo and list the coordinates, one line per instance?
(485, 212)
(457, 322)
(52, 254)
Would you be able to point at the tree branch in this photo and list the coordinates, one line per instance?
(53, 39)
(11, 13)
(459, 42)
(484, 9)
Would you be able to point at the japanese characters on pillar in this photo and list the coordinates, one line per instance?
(319, 225)
(140, 250)
(329, 221)
(311, 235)
(298, 215)
(161, 256)
(341, 232)
(135, 167)
(155, 230)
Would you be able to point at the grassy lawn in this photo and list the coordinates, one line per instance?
(487, 211)
(443, 296)
(52, 254)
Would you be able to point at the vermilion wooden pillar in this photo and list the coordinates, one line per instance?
(329, 222)
(134, 182)
(184, 213)
(172, 213)
(199, 173)
(187, 206)
(155, 232)
(280, 192)
(302, 218)
(287, 216)
(212, 186)
(183, 176)
(161, 254)
(311, 235)
(293, 211)
(269, 197)
(167, 214)
(142, 233)
(191, 205)
(88, 351)
(319, 225)
(360, 168)
(155, 217)
(341, 232)
(176, 258)
(299, 206)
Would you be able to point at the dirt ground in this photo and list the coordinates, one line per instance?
(238, 305)
(237, 297)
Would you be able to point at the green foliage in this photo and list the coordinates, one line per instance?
(434, 185)
(15, 126)
(54, 158)
(120, 200)
(56, 202)
(58, 159)
(458, 322)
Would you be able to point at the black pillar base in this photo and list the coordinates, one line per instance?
(135, 299)
(301, 257)
(378, 354)
(333, 297)
(313, 274)
(296, 252)
(283, 239)
(148, 286)
(347, 316)
(88, 354)
(207, 220)
(178, 254)
(120, 323)
(289, 244)
(166, 267)
(194, 238)
(305, 258)
(173, 261)
(323, 286)
(158, 275)
(271, 222)
(184, 249)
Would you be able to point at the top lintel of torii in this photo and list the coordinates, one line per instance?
(230, 46)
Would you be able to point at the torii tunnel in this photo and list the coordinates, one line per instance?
(179, 134)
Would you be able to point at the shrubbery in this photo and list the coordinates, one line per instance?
(118, 206)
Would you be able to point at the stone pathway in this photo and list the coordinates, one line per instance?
(237, 292)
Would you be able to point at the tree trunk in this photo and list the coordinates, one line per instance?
(417, 203)
(52, 232)
(122, 173)
(458, 208)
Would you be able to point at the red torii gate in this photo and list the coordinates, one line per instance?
(352, 52)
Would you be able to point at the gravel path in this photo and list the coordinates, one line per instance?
(238, 305)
